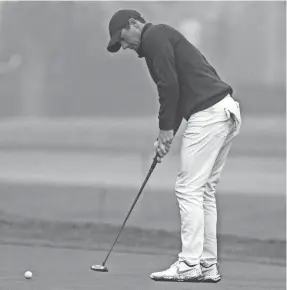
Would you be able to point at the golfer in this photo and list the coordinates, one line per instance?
(189, 88)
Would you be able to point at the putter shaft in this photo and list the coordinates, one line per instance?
(136, 199)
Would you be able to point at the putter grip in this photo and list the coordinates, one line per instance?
(154, 163)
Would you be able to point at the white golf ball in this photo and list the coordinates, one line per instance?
(28, 275)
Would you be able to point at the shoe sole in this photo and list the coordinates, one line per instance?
(172, 279)
(209, 280)
(197, 279)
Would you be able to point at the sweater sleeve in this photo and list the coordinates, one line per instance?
(160, 52)
(178, 121)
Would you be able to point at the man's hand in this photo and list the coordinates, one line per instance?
(165, 137)
(163, 143)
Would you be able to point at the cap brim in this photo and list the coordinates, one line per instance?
(114, 44)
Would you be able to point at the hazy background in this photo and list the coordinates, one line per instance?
(77, 124)
(66, 70)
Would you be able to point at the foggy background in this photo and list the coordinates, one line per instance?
(77, 124)
(55, 69)
(66, 71)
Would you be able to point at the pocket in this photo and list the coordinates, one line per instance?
(237, 115)
(233, 112)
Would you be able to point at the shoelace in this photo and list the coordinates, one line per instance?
(175, 264)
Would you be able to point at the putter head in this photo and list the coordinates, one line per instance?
(100, 268)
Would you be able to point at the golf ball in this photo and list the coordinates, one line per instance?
(28, 275)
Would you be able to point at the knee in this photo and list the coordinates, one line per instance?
(189, 193)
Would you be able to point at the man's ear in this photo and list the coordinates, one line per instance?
(133, 22)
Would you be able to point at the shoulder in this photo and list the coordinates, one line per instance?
(158, 36)
(159, 31)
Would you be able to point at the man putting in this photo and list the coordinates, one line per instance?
(189, 88)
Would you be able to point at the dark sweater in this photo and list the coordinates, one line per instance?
(186, 82)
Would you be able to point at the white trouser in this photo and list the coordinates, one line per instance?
(206, 142)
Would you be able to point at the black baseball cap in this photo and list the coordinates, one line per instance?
(118, 21)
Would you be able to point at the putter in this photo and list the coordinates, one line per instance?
(103, 267)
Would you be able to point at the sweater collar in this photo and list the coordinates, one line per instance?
(140, 50)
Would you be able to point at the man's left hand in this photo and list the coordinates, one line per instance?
(164, 141)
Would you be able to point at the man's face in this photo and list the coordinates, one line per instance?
(130, 37)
